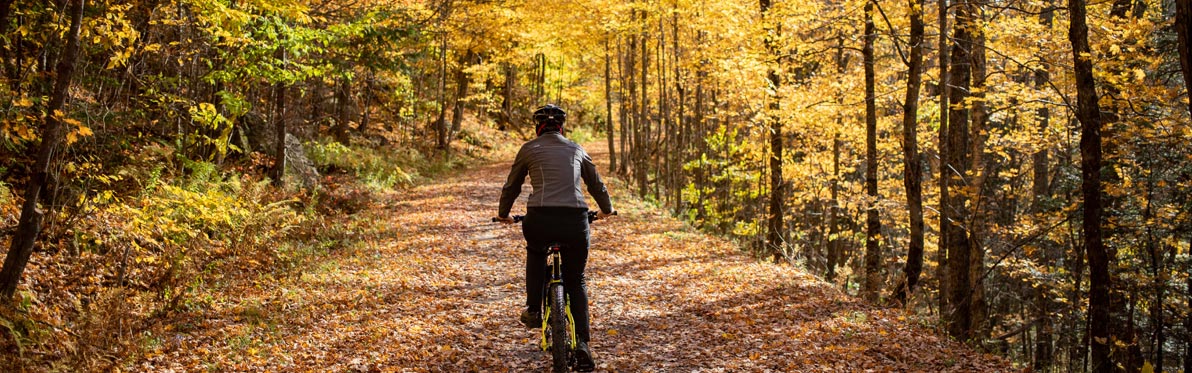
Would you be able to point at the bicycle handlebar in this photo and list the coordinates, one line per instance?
(516, 218)
(591, 217)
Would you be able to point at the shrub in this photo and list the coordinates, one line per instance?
(179, 234)
(378, 169)
(130, 258)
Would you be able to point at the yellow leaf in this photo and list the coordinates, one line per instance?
(612, 332)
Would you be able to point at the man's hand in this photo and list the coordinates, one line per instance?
(602, 215)
(505, 220)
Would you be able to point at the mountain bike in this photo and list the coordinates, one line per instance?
(558, 325)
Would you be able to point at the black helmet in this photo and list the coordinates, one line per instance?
(550, 114)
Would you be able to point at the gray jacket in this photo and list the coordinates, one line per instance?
(555, 166)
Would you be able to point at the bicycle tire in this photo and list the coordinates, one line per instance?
(558, 326)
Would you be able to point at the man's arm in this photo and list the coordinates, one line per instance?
(595, 185)
(513, 185)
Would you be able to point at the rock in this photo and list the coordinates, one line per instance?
(299, 164)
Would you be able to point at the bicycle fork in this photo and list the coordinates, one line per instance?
(556, 278)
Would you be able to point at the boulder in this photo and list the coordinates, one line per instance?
(298, 164)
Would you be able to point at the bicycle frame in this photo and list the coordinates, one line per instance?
(549, 290)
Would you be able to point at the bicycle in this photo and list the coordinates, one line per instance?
(558, 325)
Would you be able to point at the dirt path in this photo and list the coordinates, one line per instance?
(435, 287)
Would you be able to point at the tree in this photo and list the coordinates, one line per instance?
(912, 175)
(775, 240)
(279, 120)
(1089, 114)
(1183, 29)
(945, 89)
(873, 225)
(52, 135)
(955, 204)
(608, 108)
(1040, 191)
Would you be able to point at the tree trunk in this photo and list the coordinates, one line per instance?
(662, 163)
(1040, 191)
(462, 80)
(622, 110)
(701, 143)
(642, 135)
(627, 132)
(540, 79)
(29, 225)
(1183, 28)
(608, 106)
(979, 215)
(343, 115)
(945, 86)
(506, 119)
(834, 213)
(279, 105)
(873, 224)
(774, 238)
(1160, 287)
(362, 129)
(677, 180)
(954, 171)
(912, 176)
(1089, 114)
(440, 124)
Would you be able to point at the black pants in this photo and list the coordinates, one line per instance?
(569, 228)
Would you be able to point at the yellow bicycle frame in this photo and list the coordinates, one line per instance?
(545, 342)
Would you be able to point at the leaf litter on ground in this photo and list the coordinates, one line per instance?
(431, 285)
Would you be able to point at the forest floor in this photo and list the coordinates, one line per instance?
(434, 286)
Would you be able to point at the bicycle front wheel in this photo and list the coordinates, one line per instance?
(558, 328)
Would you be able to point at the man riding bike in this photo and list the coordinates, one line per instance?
(556, 212)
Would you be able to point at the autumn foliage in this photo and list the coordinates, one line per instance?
(234, 184)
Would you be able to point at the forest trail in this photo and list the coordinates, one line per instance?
(438, 288)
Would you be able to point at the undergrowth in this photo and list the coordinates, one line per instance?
(140, 257)
(150, 252)
(378, 169)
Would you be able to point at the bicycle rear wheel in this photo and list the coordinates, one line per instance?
(558, 328)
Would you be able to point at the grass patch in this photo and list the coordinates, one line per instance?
(383, 168)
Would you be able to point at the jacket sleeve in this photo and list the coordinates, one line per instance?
(513, 185)
(595, 185)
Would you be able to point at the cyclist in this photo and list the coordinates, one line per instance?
(556, 212)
